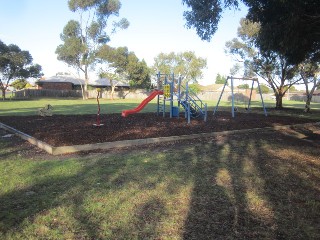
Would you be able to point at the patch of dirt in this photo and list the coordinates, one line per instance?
(65, 130)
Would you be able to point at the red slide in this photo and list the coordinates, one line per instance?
(125, 113)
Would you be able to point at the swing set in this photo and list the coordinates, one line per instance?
(233, 108)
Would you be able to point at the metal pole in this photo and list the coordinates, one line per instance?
(158, 80)
(232, 97)
(216, 108)
(188, 102)
(205, 112)
(158, 105)
(249, 103)
(264, 109)
(171, 99)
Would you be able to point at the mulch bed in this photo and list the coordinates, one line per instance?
(65, 130)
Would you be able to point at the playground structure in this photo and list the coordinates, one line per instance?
(170, 89)
(174, 91)
(233, 108)
(153, 94)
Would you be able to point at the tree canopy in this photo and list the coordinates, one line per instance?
(81, 38)
(16, 63)
(124, 65)
(220, 79)
(288, 27)
(19, 83)
(270, 66)
(187, 64)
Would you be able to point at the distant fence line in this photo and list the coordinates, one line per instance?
(141, 94)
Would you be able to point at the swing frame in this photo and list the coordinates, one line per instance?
(232, 94)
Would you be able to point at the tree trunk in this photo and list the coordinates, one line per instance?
(112, 92)
(3, 94)
(279, 101)
(308, 102)
(86, 81)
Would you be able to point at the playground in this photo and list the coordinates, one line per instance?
(175, 111)
(79, 129)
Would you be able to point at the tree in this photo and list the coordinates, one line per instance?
(125, 64)
(82, 38)
(270, 66)
(297, 37)
(290, 28)
(220, 79)
(244, 86)
(195, 87)
(264, 89)
(15, 63)
(310, 74)
(19, 84)
(113, 78)
(186, 64)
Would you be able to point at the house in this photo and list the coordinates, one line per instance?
(215, 88)
(316, 93)
(61, 82)
(106, 83)
(67, 82)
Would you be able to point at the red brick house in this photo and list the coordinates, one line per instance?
(61, 82)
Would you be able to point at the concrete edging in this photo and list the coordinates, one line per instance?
(128, 143)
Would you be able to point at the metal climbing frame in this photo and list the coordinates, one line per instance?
(232, 94)
(191, 103)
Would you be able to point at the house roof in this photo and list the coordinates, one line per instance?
(214, 87)
(77, 81)
(63, 79)
(106, 82)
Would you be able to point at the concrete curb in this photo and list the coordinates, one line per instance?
(32, 140)
(128, 143)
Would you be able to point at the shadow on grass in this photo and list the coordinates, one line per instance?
(257, 185)
(256, 192)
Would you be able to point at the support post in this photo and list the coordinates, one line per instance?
(158, 105)
(216, 108)
(232, 97)
(205, 112)
(188, 102)
(264, 109)
(249, 103)
(171, 98)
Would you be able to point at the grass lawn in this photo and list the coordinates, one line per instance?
(262, 185)
(78, 106)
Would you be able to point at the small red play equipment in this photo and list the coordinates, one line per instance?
(98, 124)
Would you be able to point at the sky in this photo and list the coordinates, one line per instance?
(155, 27)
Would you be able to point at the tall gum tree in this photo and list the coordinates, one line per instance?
(288, 27)
(14, 64)
(81, 38)
(270, 66)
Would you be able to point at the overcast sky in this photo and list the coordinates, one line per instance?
(155, 26)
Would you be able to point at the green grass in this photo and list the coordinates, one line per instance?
(248, 186)
(235, 187)
(78, 106)
(68, 106)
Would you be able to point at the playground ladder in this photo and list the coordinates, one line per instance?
(161, 103)
(197, 107)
